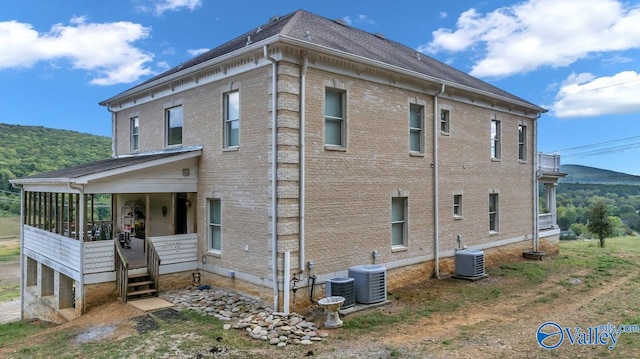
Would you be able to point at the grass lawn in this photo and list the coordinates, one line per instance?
(584, 286)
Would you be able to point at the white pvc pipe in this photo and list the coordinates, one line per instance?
(536, 210)
(287, 280)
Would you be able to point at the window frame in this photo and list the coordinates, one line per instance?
(457, 206)
(167, 125)
(418, 130)
(134, 131)
(495, 134)
(404, 222)
(494, 212)
(212, 225)
(341, 120)
(522, 143)
(445, 118)
(229, 122)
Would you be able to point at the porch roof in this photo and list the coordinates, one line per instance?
(118, 170)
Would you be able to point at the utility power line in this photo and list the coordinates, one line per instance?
(601, 148)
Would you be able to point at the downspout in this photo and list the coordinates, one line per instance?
(536, 199)
(22, 275)
(81, 228)
(436, 207)
(114, 144)
(274, 175)
(303, 83)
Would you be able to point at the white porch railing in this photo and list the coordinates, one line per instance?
(177, 253)
(547, 221)
(548, 163)
(54, 250)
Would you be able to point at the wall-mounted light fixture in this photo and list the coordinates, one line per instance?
(164, 211)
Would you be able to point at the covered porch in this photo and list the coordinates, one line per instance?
(87, 229)
(548, 176)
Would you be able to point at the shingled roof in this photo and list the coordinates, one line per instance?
(307, 27)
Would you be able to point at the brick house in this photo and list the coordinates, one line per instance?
(379, 154)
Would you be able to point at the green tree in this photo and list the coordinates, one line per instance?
(578, 228)
(599, 222)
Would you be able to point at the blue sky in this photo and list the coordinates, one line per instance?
(578, 59)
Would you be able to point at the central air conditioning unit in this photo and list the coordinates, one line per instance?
(370, 283)
(342, 287)
(469, 263)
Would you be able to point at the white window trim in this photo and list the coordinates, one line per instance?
(448, 109)
(133, 117)
(497, 213)
(522, 159)
(498, 139)
(343, 121)
(405, 227)
(460, 206)
(421, 131)
(165, 108)
(211, 250)
(225, 120)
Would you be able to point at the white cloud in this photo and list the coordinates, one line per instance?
(537, 33)
(359, 19)
(584, 95)
(443, 14)
(175, 5)
(104, 49)
(196, 52)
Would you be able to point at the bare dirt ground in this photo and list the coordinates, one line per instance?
(503, 325)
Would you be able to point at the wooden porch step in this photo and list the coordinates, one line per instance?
(137, 275)
(139, 284)
(141, 292)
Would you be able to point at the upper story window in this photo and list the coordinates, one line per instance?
(493, 212)
(495, 139)
(232, 119)
(135, 132)
(173, 125)
(399, 221)
(444, 121)
(416, 124)
(334, 118)
(522, 142)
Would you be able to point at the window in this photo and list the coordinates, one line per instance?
(135, 131)
(398, 221)
(444, 121)
(173, 125)
(457, 205)
(495, 139)
(215, 228)
(493, 212)
(232, 119)
(522, 142)
(415, 128)
(334, 119)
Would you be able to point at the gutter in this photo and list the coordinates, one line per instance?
(436, 206)
(274, 175)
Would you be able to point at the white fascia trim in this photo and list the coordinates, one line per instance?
(255, 47)
(324, 49)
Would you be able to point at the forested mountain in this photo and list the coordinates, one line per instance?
(590, 175)
(27, 150)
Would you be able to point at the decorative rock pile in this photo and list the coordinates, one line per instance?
(248, 314)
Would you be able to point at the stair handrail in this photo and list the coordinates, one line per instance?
(153, 264)
(122, 271)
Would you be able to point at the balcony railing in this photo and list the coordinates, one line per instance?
(546, 221)
(548, 163)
